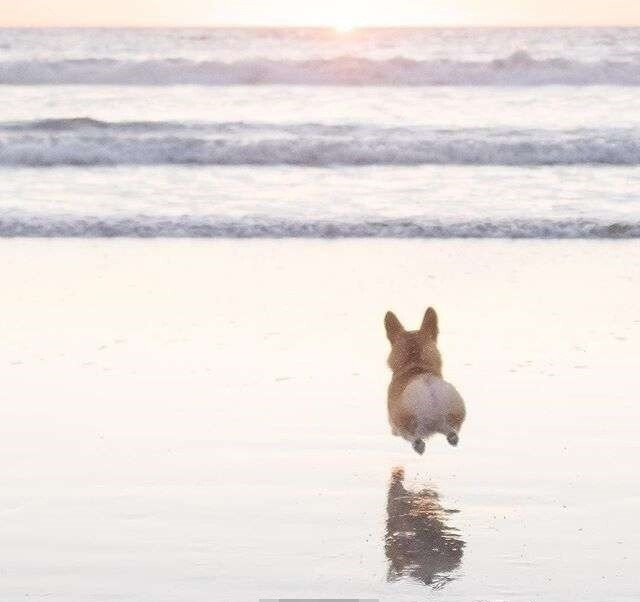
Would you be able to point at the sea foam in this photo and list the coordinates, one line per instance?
(516, 69)
(190, 226)
(89, 142)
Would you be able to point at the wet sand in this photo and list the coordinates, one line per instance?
(205, 420)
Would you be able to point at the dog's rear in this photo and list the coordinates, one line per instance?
(420, 402)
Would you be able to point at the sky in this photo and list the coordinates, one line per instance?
(332, 13)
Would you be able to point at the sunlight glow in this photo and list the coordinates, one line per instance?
(345, 25)
(341, 15)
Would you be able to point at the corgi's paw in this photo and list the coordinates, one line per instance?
(418, 446)
(452, 438)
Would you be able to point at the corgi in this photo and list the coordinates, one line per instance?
(420, 402)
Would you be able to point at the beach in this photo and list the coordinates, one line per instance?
(201, 229)
(206, 419)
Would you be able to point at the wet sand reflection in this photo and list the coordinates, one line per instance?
(419, 544)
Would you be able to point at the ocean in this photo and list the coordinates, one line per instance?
(398, 133)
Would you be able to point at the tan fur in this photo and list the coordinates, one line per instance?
(413, 354)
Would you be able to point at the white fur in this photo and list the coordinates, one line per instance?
(430, 399)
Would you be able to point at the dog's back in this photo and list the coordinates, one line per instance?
(420, 402)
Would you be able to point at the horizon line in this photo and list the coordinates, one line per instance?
(330, 26)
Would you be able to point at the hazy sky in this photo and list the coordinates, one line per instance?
(342, 13)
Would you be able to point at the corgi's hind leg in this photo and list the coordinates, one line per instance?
(454, 422)
(418, 446)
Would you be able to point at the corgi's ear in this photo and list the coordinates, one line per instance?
(392, 326)
(430, 324)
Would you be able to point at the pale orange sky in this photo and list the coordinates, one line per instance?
(340, 13)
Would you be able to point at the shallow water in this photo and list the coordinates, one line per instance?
(206, 420)
(427, 132)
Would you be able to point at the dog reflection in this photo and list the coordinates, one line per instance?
(418, 542)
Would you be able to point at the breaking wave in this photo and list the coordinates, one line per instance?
(188, 226)
(89, 142)
(517, 69)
